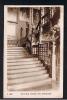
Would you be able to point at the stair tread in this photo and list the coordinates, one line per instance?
(20, 55)
(24, 77)
(9, 58)
(20, 49)
(24, 67)
(24, 59)
(17, 50)
(19, 87)
(24, 62)
(16, 47)
(24, 70)
(26, 74)
(27, 79)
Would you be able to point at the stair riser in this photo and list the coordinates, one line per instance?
(25, 66)
(22, 67)
(18, 55)
(21, 60)
(16, 50)
(23, 63)
(29, 85)
(26, 74)
(25, 70)
(16, 47)
(24, 59)
(14, 79)
(12, 51)
(28, 79)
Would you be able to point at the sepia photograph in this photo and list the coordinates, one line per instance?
(33, 51)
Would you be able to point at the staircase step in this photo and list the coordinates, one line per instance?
(13, 76)
(25, 59)
(27, 79)
(12, 58)
(17, 50)
(18, 55)
(20, 87)
(24, 67)
(25, 71)
(23, 63)
(20, 52)
(16, 47)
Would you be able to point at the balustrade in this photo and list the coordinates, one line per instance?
(44, 54)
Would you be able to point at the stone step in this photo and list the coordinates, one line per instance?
(11, 45)
(17, 57)
(24, 67)
(20, 52)
(33, 84)
(16, 51)
(25, 70)
(16, 47)
(9, 50)
(13, 76)
(12, 55)
(24, 59)
(27, 79)
(20, 87)
(23, 63)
